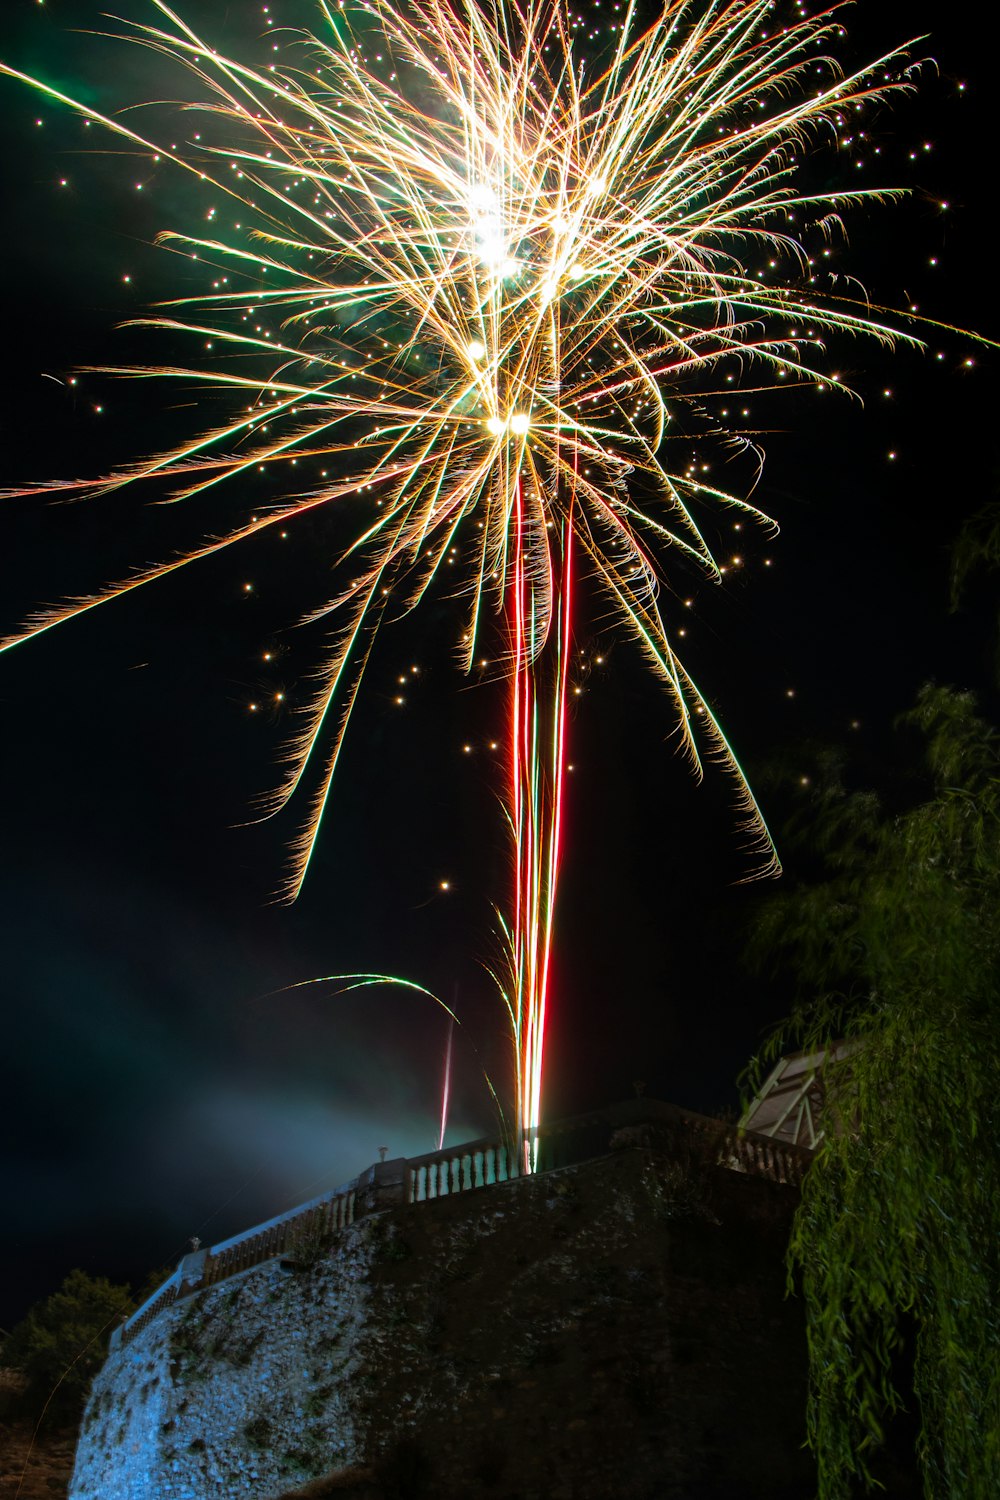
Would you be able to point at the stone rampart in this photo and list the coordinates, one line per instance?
(611, 1328)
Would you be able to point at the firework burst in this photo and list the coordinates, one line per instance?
(485, 266)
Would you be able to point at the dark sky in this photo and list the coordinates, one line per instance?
(157, 1082)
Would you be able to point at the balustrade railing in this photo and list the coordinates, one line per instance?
(303, 1232)
(294, 1235)
(300, 1233)
(762, 1156)
(475, 1165)
(165, 1296)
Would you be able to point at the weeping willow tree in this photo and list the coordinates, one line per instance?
(897, 947)
(977, 551)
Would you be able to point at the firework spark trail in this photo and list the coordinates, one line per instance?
(537, 773)
(446, 1085)
(492, 270)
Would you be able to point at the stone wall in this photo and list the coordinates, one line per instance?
(615, 1329)
(236, 1391)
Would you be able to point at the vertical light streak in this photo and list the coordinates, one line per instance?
(446, 1084)
(519, 788)
(557, 772)
(539, 688)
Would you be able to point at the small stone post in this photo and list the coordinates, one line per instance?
(382, 1186)
(191, 1271)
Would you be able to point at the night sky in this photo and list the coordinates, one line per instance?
(159, 1079)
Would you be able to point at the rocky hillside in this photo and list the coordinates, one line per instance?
(38, 1469)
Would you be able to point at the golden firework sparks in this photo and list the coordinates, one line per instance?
(485, 262)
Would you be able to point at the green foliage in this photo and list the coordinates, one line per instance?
(152, 1282)
(308, 1242)
(977, 546)
(258, 1432)
(976, 551)
(897, 949)
(64, 1339)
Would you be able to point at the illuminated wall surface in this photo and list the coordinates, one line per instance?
(613, 1329)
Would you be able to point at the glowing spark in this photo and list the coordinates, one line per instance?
(446, 1085)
